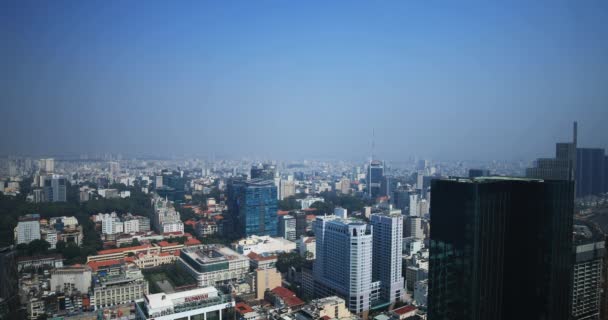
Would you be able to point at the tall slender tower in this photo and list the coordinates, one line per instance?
(387, 259)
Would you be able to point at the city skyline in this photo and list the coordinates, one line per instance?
(292, 81)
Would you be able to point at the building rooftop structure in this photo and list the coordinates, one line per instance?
(264, 244)
(183, 304)
(210, 254)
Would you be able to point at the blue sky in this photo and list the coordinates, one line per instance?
(290, 80)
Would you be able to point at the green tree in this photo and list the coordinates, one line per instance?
(287, 260)
(38, 246)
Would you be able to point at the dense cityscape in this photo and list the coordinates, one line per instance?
(303, 160)
(104, 237)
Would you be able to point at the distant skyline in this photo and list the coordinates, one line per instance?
(295, 80)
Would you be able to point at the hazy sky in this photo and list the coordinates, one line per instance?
(295, 79)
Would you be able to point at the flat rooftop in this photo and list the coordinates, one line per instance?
(212, 254)
(166, 300)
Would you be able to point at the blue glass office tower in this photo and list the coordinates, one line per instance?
(257, 208)
(500, 248)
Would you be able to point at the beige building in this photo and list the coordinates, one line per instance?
(332, 307)
(262, 279)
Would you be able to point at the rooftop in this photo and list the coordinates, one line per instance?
(212, 254)
(166, 300)
(288, 296)
(404, 310)
(119, 250)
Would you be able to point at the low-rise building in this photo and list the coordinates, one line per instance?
(282, 297)
(261, 280)
(69, 279)
(117, 284)
(332, 307)
(307, 247)
(201, 303)
(213, 264)
(264, 244)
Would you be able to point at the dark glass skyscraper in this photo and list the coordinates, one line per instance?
(500, 248)
(590, 171)
(257, 208)
(375, 175)
(266, 171)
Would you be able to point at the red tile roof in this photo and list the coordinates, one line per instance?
(243, 308)
(168, 244)
(192, 242)
(95, 265)
(119, 250)
(404, 310)
(257, 257)
(288, 296)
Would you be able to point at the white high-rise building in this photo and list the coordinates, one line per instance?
(47, 165)
(114, 169)
(287, 227)
(414, 206)
(131, 226)
(288, 188)
(111, 225)
(413, 228)
(27, 229)
(344, 261)
(166, 218)
(387, 256)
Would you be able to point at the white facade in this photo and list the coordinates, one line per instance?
(166, 218)
(344, 260)
(413, 228)
(26, 231)
(50, 236)
(411, 245)
(264, 244)
(131, 226)
(307, 246)
(111, 225)
(71, 279)
(185, 304)
(387, 256)
(307, 202)
(414, 206)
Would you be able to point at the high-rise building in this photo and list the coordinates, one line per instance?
(562, 167)
(343, 261)
(166, 218)
(401, 199)
(589, 252)
(28, 229)
(474, 173)
(287, 227)
(375, 175)
(257, 204)
(414, 205)
(500, 248)
(387, 259)
(287, 189)
(264, 171)
(9, 289)
(114, 169)
(55, 188)
(47, 165)
(301, 223)
(590, 171)
(413, 228)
